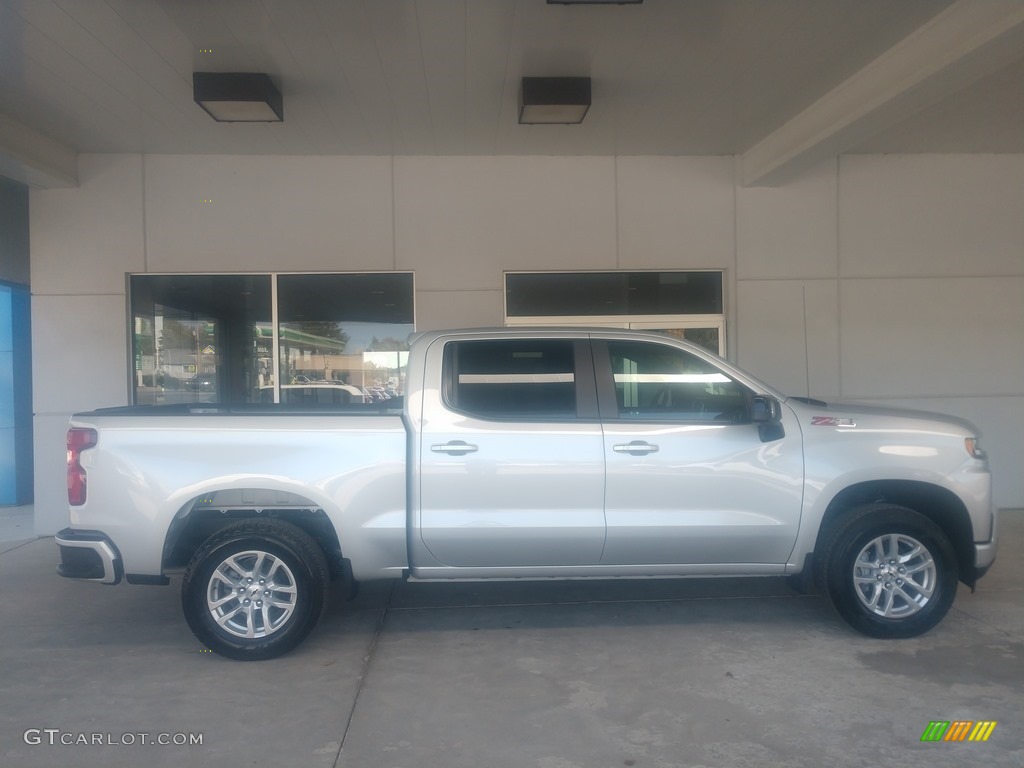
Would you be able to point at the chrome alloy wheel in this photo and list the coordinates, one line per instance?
(252, 594)
(894, 576)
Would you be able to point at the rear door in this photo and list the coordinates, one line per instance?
(691, 479)
(511, 455)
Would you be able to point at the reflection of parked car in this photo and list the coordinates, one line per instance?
(380, 393)
(373, 396)
(202, 382)
(315, 393)
(167, 381)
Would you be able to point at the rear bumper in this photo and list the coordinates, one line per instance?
(88, 556)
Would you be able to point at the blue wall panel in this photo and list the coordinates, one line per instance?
(15, 396)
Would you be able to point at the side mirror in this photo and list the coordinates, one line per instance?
(765, 409)
(766, 412)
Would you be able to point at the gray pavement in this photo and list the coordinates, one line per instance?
(727, 673)
(17, 525)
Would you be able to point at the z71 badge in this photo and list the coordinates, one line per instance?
(831, 421)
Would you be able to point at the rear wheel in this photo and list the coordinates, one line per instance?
(255, 589)
(889, 571)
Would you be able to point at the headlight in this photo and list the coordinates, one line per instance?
(973, 446)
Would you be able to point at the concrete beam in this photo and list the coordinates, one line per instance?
(33, 159)
(965, 42)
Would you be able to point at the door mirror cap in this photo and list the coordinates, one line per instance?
(765, 409)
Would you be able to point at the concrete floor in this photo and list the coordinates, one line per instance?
(727, 673)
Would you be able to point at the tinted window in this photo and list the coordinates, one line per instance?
(343, 331)
(195, 337)
(210, 338)
(513, 378)
(658, 382)
(563, 294)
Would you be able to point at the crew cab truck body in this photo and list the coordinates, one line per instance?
(523, 454)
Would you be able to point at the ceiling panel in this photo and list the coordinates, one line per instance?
(988, 116)
(438, 77)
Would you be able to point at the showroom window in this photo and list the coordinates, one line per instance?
(688, 305)
(315, 339)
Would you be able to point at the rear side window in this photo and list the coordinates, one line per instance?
(517, 379)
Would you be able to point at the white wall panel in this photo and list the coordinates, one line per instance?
(84, 240)
(79, 353)
(244, 213)
(932, 337)
(461, 221)
(932, 215)
(950, 336)
(789, 231)
(676, 212)
(1001, 422)
(458, 309)
(772, 342)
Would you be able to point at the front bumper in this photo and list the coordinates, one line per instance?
(89, 556)
(985, 554)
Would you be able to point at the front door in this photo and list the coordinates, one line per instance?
(511, 456)
(690, 479)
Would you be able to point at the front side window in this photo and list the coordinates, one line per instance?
(657, 382)
(512, 378)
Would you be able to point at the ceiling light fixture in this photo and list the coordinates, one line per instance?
(238, 97)
(594, 2)
(553, 100)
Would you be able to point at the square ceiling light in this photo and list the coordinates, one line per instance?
(238, 97)
(553, 100)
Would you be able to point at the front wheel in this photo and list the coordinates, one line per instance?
(254, 590)
(889, 571)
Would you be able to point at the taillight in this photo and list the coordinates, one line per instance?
(79, 439)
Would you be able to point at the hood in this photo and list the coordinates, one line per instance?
(807, 406)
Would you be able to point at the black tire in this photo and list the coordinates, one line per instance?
(224, 578)
(907, 603)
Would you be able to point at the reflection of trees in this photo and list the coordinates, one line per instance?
(324, 329)
(145, 344)
(177, 335)
(387, 344)
(705, 337)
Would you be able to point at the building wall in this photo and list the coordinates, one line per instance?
(15, 347)
(880, 278)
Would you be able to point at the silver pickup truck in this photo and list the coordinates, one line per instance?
(529, 454)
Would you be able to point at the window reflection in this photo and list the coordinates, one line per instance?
(667, 384)
(210, 338)
(193, 337)
(343, 338)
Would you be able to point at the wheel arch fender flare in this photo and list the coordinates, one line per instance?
(198, 516)
(938, 504)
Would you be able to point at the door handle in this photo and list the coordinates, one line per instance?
(454, 448)
(635, 448)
